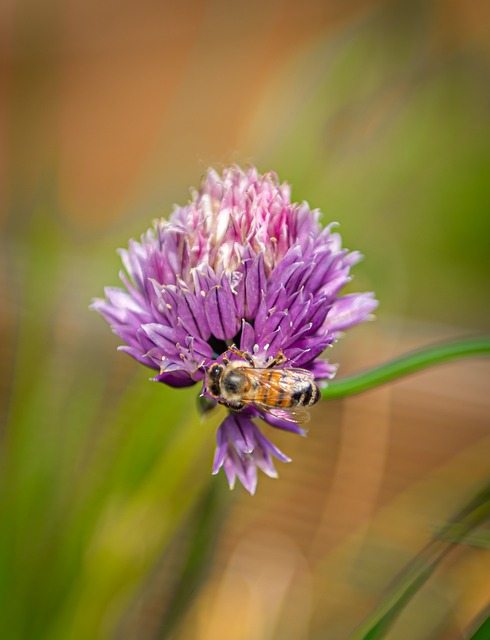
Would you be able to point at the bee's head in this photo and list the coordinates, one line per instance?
(213, 375)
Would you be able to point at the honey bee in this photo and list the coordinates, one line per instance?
(284, 393)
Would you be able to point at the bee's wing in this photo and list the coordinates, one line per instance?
(303, 372)
(297, 414)
(259, 372)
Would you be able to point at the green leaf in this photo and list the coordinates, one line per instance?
(413, 578)
(483, 630)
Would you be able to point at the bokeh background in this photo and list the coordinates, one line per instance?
(111, 525)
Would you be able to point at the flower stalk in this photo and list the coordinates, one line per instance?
(405, 365)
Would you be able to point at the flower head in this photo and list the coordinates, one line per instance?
(239, 265)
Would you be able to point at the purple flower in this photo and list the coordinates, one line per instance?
(240, 264)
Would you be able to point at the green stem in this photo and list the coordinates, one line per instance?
(406, 364)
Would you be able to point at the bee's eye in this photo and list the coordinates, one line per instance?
(216, 371)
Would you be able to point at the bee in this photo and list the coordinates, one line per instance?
(284, 393)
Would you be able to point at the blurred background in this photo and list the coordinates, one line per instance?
(111, 525)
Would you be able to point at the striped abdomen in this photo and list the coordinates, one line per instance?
(284, 388)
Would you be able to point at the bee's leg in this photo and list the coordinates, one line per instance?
(279, 359)
(226, 362)
(243, 354)
(233, 349)
(249, 359)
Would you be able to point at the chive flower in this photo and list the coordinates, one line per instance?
(240, 265)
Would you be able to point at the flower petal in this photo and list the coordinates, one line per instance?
(350, 310)
(241, 448)
(220, 312)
